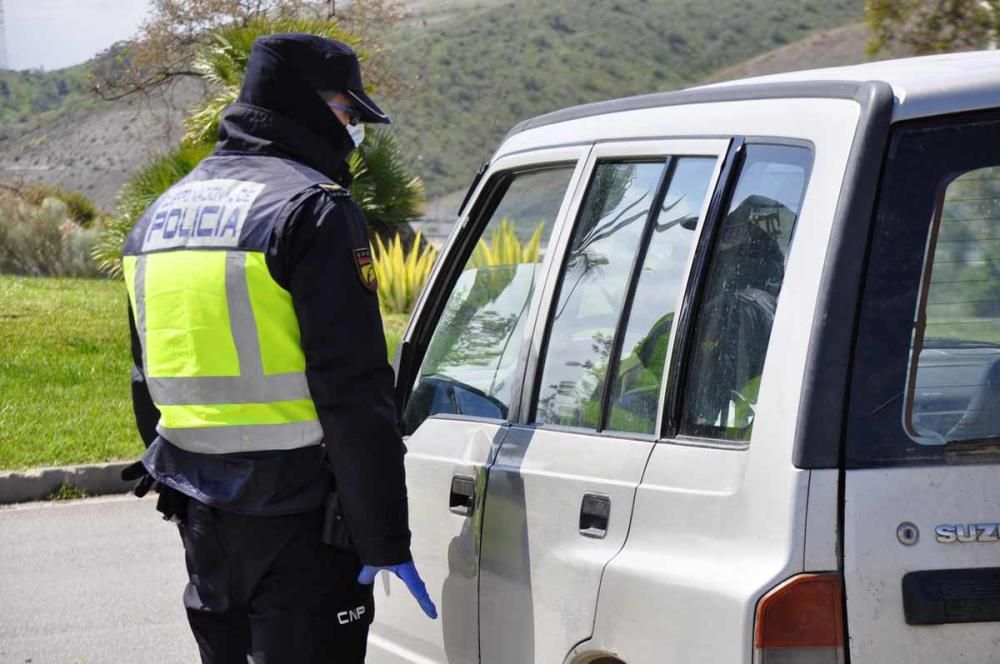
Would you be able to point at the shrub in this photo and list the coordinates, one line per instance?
(80, 208)
(394, 326)
(44, 240)
(401, 274)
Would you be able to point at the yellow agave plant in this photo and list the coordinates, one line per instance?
(401, 274)
(504, 248)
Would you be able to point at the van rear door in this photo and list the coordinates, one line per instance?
(922, 465)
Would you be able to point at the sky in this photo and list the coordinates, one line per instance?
(59, 33)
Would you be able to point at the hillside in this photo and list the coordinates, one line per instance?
(478, 74)
(830, 48)
(425, 12)
(476, 67)
(24, 95)
(95, 146)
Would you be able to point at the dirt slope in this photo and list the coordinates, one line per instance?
(94, 148)
(828, 48)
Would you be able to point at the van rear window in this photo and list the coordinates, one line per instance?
(925, 382)
(954, 390)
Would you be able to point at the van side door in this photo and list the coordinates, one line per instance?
(459, 382)
(921, 496)
(560, 492)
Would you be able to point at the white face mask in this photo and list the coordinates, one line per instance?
(357, 133)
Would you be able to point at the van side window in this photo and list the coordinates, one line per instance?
(638, 373)
(737, 305)
(593, 284)
(469, 366)
(953, 391)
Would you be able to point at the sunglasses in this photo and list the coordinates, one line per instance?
(353, 113)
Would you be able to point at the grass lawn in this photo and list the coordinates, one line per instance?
(64, 372)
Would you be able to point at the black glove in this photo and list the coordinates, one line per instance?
(137, 471)
(170, 503)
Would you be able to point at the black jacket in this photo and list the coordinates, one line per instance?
(311, 253)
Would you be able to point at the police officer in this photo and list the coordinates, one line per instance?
(261, 385)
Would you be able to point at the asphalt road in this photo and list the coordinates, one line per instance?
(95, 581)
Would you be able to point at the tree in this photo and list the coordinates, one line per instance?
(168, 42)
(932, 26)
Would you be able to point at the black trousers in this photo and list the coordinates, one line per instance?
(267, 588)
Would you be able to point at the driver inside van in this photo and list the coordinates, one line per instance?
(737, 320)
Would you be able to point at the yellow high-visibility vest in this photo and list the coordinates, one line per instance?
(221, 346)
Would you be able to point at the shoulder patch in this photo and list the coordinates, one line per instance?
(366, 269)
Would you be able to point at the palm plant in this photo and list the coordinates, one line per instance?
(387, 193)
(223, 63)
(136, 195)
(383, 186)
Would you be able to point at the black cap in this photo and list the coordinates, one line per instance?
(325, 65)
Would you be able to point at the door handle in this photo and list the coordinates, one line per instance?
(463, 495)
(595, 511)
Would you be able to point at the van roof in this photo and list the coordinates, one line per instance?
(921, 87)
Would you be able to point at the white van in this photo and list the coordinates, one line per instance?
(714, 376)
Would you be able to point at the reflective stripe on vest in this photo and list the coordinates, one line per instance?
(224, 378)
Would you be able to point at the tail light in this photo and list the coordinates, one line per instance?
(801, 622)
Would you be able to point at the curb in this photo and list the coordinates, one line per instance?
(40, 483)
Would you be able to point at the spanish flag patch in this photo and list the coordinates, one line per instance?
(366, 269)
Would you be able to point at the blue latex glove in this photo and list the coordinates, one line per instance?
(408, 573)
